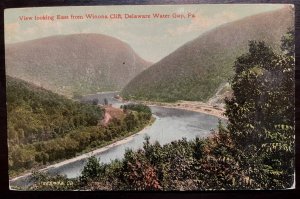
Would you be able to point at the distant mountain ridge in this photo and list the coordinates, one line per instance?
(74, 64)
(196, 70)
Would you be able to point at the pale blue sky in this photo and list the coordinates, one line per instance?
(152, 39)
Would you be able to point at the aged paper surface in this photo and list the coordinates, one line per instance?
(151, 97)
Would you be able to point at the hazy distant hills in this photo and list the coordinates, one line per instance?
(74, 64)
(196, 70)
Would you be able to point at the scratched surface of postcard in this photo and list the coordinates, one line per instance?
(151, 97)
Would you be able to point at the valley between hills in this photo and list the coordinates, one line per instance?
(73, 100)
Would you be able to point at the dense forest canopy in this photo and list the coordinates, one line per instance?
(35, 114)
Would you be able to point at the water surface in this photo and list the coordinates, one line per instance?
(170, 125)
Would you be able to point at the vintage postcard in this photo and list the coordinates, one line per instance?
(151, 97)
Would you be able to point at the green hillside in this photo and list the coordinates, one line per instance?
(196, 70)
(36, 114)
(44, 127)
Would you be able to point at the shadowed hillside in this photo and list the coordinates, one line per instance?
(74, 64)
(44, 127)
(196, 70)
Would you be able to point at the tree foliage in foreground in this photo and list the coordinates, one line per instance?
(261, 114)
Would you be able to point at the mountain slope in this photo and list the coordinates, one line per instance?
(36, 114)
(44, 127)
(196, 70)
(79, 63)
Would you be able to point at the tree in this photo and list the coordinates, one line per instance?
(137, 173)
(261, 113)
(130, 121)
(288, 43)
(105, 101)
(92, 170)
(23, 157)
(95, 101)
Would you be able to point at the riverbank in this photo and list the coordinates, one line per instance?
(111, 144)
(195, 106)
(181, 105)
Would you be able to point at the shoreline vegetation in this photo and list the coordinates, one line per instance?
(86, 154)
(45, 128)
(195, 106)
(199, 107)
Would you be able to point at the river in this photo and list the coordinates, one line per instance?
(170, 125)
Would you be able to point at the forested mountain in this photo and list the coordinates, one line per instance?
(36, 114)
(74, 64)
(196, 70)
